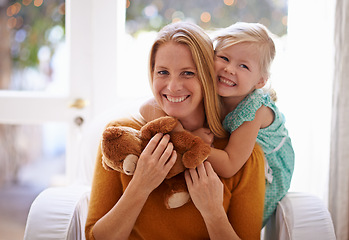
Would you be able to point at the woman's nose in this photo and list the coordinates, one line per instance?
(175, 84)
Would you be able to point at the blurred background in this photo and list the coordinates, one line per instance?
(48, 92)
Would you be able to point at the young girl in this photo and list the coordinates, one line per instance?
(243, 55)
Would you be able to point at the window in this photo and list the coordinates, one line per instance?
(33, 60)
(32, 46)
(145, 18)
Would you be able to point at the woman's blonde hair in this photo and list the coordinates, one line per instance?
(242, 32)
(201, 49)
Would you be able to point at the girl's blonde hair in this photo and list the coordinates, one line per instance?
(256, 33)
(201, 49)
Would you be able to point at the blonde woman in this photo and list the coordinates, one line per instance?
(131, 207)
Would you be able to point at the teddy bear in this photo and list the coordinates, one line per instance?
(121, 147)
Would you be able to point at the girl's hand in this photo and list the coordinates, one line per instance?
(154, 163)
(205, 188)
(205, 134)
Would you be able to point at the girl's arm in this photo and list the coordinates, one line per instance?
(150, 110)
(227, 162)
(153, 165)
(206, 191)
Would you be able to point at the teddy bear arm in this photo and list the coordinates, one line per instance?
(160, 125)
(194, 149)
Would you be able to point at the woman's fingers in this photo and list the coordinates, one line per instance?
(164, 150)
(199, 171)
(205, 188)
(153, 143)
(169, 164)
(159, 153)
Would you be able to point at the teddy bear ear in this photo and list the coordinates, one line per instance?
(112, 133)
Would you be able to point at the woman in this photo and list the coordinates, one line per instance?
(124, 207)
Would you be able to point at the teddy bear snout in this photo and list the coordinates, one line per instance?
(129, 164)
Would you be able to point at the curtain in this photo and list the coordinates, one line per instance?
(304, 90)
(339, 153)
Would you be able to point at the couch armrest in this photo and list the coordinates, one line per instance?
(58, 213)
(300, 216)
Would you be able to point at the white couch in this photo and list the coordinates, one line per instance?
(60, 213)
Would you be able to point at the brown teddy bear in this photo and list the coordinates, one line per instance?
(121, 147)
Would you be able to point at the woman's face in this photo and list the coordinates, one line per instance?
(176, 85)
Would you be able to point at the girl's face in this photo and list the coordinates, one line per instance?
(238, 70)
(176, 86)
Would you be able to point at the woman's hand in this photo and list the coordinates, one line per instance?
(206, 191)
(205, 188)
(154, 163)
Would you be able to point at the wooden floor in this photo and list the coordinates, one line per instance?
(16, 198)
(15, 201)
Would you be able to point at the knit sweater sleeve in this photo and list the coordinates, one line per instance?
(107, 186)
(247, 200)
(104, 195)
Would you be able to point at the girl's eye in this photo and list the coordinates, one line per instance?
(244, 66)
(224, 58)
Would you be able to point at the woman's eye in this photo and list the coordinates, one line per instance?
(163, 72)
(244, 66)
(188, 73)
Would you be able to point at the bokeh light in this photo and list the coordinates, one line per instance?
(13, 9)
(38, 3)
(61, 9)
(150, 11)
(205, 17)
(26, 2)
(229, 2)
(210, 15)
(177, 15)
(11, 22)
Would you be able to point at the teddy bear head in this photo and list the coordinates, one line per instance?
(121, 147)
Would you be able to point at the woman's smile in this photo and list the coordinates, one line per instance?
(176, 99)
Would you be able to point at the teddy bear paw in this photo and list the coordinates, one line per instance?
(177, 199)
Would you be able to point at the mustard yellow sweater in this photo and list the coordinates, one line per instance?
(243, 201)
